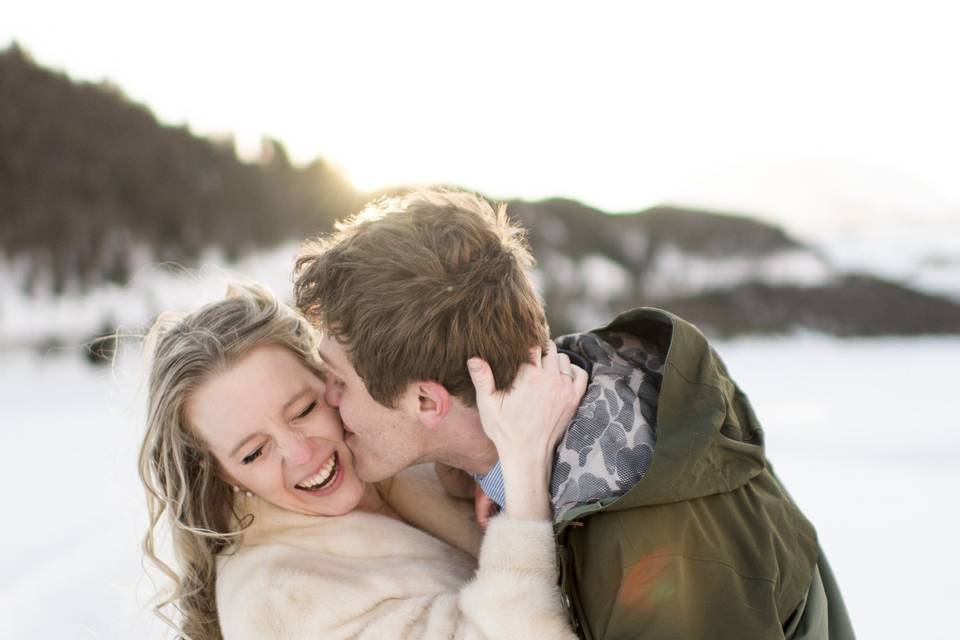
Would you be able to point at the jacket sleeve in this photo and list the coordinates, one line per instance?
(513, 594)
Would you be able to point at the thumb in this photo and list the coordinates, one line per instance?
(481, 375)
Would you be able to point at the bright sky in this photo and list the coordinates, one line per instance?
(798, 110)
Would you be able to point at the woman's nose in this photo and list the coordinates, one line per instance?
(296, 448)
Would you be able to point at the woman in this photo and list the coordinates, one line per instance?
(275, 536)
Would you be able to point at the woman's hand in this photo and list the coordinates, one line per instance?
(483, 507)
(530, 417)
(460, 484)
(526, 422)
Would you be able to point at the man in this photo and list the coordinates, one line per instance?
(669, 522)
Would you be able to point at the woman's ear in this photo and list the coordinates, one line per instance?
(433, 403)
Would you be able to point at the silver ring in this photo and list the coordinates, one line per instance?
(571, 374)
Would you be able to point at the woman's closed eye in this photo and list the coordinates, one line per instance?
(252, 455)
(310, 407)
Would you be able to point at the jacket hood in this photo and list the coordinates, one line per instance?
(708, 438)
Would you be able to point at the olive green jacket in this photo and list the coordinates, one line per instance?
(708, 544)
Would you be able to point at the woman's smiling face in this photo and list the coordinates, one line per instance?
(267, 424)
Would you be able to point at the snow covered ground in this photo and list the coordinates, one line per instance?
(863, 434)
(861, 431)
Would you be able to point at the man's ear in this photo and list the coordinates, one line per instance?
(433, 403)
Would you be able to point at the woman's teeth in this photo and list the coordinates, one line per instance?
(322, 478)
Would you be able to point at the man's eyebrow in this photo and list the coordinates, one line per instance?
(286, 405)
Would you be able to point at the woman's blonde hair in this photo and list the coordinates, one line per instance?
(179, 473)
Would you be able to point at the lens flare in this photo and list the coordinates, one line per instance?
(651, 581)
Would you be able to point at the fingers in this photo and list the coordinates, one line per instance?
(564, 365)
(575, 388)
(550, 357)
(482, 376)
(483, 507)
(580, 380)
(536, 357)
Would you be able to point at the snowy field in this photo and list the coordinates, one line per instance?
(861, 431)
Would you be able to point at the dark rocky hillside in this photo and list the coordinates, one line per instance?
(853, 305)
(88, 179)
(635, 238)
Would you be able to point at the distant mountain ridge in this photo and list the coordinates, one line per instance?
(92, 187)
(729, 274)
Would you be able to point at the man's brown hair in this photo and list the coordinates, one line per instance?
(415, 285)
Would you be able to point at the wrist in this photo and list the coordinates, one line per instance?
(528, 462)
(525, 473)
(526, 489)
(528, 505)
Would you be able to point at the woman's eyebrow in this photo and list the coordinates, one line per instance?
(243, 443)
(299, 394)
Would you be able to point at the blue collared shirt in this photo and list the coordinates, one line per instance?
(492, 484)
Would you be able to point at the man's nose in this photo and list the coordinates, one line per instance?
(332, 392)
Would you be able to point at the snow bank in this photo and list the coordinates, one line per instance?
(868, 452)
(73, 318)
(677, 273)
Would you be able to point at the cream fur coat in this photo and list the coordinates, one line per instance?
(368, 576)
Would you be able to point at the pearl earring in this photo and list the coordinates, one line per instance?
(236, 489)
